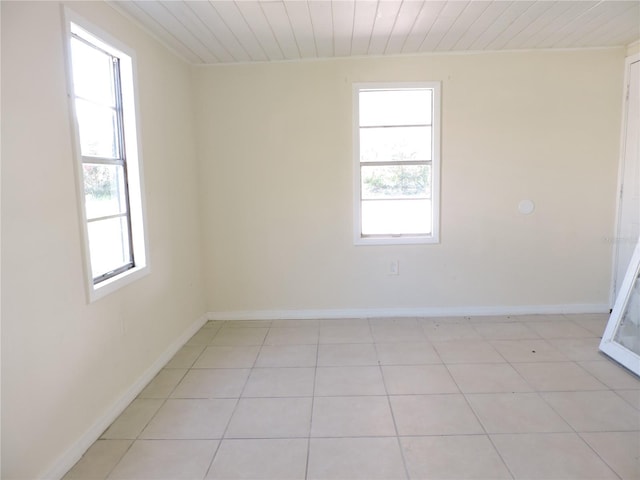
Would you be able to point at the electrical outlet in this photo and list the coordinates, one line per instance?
(394, 267)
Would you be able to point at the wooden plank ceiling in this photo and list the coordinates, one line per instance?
(227, 31)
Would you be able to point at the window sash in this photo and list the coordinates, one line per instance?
(119, 160)
(429, 216)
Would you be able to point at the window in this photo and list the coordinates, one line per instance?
(396, 154)
(102, 97)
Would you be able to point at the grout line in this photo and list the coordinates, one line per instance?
(235, 407)
(309, 437)
(313, 397)
(393, 417)
(484, 429)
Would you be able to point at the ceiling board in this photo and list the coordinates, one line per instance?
(231, 31)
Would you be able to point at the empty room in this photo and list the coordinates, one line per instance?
(324, 239)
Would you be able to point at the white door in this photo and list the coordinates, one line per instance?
(628, 225)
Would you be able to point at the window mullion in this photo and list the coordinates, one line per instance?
(395, 162)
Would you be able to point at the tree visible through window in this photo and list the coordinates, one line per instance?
(397, 139)
(104, 107)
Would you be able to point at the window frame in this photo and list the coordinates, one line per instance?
(402, 239)
(130, 157)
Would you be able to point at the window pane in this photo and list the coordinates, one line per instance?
(395, 144)
(395, 107)
(628, 332)
(395, 217)
(396, 181)
(104, 190)
(98, 131)
(92, 73)
(109, 245)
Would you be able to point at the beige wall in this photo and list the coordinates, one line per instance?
(633, 48)
(276, 184)
(66, 363)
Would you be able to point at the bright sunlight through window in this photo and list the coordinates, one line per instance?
(109, 170)
(396, 146)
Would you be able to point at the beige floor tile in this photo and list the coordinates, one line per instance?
(344, 322)
(271, 418)
(345, 334)
(355, 459)
(540, 318)
(352, 417)
(632, 397)
(332, 381)
(214, 324)
(557, 376)
(399, 321)
(443, 332)
(280, 382)
(212, 383)
(550, 456)
(467, 351)
(203, 336)
(488, 378)
(303, 322)
(249, 323)
(492, 319)
(467, 457)
(190, 419)
(532, 350)
(163, 383)
(504, 331)
(434, 415)
(594, 322)
(185, 357)
(307, 335)
(563, 329)
(620, 450)
(240, 336)
(611, 374)
(444, 320)
(227, 357)
(418, 379)
(409, 353)
(134, 418)
(594, 411)
(578, 349)
(287, 356)
(516, 413)
(166, 460)
(345, 354)
(99, 460)
(270, 459)
(596, 327)
(397, 333)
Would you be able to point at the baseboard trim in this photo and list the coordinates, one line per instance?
(409, 312)
(69, 458)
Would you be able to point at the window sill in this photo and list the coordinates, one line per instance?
(107, 287)
(404, 240)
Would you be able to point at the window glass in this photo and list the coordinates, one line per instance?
(104, 190)
(109, 242)
(397, 163)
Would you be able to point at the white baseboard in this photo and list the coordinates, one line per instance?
(409, 312)
(69, 458)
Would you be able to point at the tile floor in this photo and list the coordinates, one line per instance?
(523, 397)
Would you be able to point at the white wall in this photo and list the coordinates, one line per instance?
(66, 363)
(276, 185)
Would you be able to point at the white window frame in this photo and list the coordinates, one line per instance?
(404, 239)
(133, 153)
